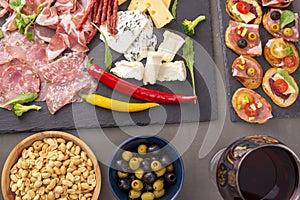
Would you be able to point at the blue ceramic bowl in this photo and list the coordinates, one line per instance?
(131, 144)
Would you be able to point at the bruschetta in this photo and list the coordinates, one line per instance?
(282, 23)
(275, 3)
(247, 71)
(246, 11)
(280, 53)
(243, 39)
(251, 107)
(280, 87)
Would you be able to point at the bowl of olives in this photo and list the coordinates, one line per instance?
(146, 168)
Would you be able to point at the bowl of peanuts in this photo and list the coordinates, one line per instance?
(51, 165)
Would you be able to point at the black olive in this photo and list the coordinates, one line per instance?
(145, 165)
(170, 178)
(291, 25)
(124, 184)
(122, 165)
(148, 187)
(149, 178)
(275, 15)
(165, 160)
(131, 177)
(242, 43)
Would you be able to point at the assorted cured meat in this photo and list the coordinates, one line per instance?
(242, 37)
(42, 65)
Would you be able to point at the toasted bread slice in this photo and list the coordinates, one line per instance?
(264, 112)
(278, 62)
(277, 5)
(267, 22)
(250, 82)
(231, 39)
(252, 3)
(288, 100)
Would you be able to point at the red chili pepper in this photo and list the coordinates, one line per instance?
(136, 91)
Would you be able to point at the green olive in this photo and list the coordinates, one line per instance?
(155, 165)
(133, 194)
(139, 173)
(142, 149)
(288, 32)
(122, 174)
(251, 71)
(161, 172)
(252, 36)
(159, 193)
(158, 184)
(137, 185)
(134, 163)
(147, 196)
(126, 155)
(275, 27)
(170, 168)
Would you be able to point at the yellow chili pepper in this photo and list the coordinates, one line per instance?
(121, 106)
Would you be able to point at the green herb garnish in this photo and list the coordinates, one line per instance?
(188, 55)
(289, 50)
(108, 55)
(286, 76)
(174, 9)
(21, 99)
(286, 17)
(23, 22)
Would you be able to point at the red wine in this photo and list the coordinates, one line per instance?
(268, 173)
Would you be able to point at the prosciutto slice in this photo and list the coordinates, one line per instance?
(66, 86)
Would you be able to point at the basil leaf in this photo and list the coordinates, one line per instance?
(174, 9)
(289, 50)
(286, 17)
(286, 76)
(108, 55)
(188, 54)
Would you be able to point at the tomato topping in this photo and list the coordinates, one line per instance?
(239, 64)
(251, 109)
(280, 86)
(243, 7)
(281, 1)
(289, 61)
(277, 48)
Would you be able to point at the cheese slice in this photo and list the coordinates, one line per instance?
(172, 71)
(153, 63)
(126, 69)
(137, 5)
(170, 45)
(159, 13)
(167, 3)
(245, 17)
(290, 89)
(129, 26)
(120, 2)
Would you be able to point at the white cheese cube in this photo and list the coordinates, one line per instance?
(170, 46)
(172, 71)
(129, 26)
(152, 67)
(125, 69)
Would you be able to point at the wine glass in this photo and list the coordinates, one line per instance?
(256, 167)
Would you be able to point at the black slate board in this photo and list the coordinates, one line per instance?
(232, 84)
(83, 115)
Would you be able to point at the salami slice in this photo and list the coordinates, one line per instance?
(18, 79)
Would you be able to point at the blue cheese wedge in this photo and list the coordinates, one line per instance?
(172, 71)
(153, 63)
(170, 46)
(126, 69)
(144, 43)
(129, 26)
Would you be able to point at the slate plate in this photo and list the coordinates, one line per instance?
(232, 84)
(83, 115)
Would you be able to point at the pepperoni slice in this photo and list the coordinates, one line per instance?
(18, 79)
